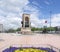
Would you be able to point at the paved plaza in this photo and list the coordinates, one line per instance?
(12, 39)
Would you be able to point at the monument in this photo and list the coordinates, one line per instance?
(26, 25)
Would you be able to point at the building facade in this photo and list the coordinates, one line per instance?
(1, 28)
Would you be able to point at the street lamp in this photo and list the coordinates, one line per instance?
(50, 20)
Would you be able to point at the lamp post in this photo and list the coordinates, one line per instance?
(50, 20)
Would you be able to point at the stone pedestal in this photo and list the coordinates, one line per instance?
(26, 25)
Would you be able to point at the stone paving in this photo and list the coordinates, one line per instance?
(12, 39)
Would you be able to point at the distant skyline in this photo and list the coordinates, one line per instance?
(11, 12)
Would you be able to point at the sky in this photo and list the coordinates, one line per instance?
(40, 11)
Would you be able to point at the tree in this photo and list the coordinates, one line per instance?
(10, 30)
(18, 29)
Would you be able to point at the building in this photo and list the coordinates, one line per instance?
(1, 28)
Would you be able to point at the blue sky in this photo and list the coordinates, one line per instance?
(11, 12)
(45, 6)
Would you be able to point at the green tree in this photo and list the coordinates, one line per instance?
(18, 29)
(10, 30)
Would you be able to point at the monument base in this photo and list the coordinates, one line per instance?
(26, 31)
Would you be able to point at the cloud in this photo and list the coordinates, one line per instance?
(46, 2)
(10, 21)
(11, 12)
(56, 20)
